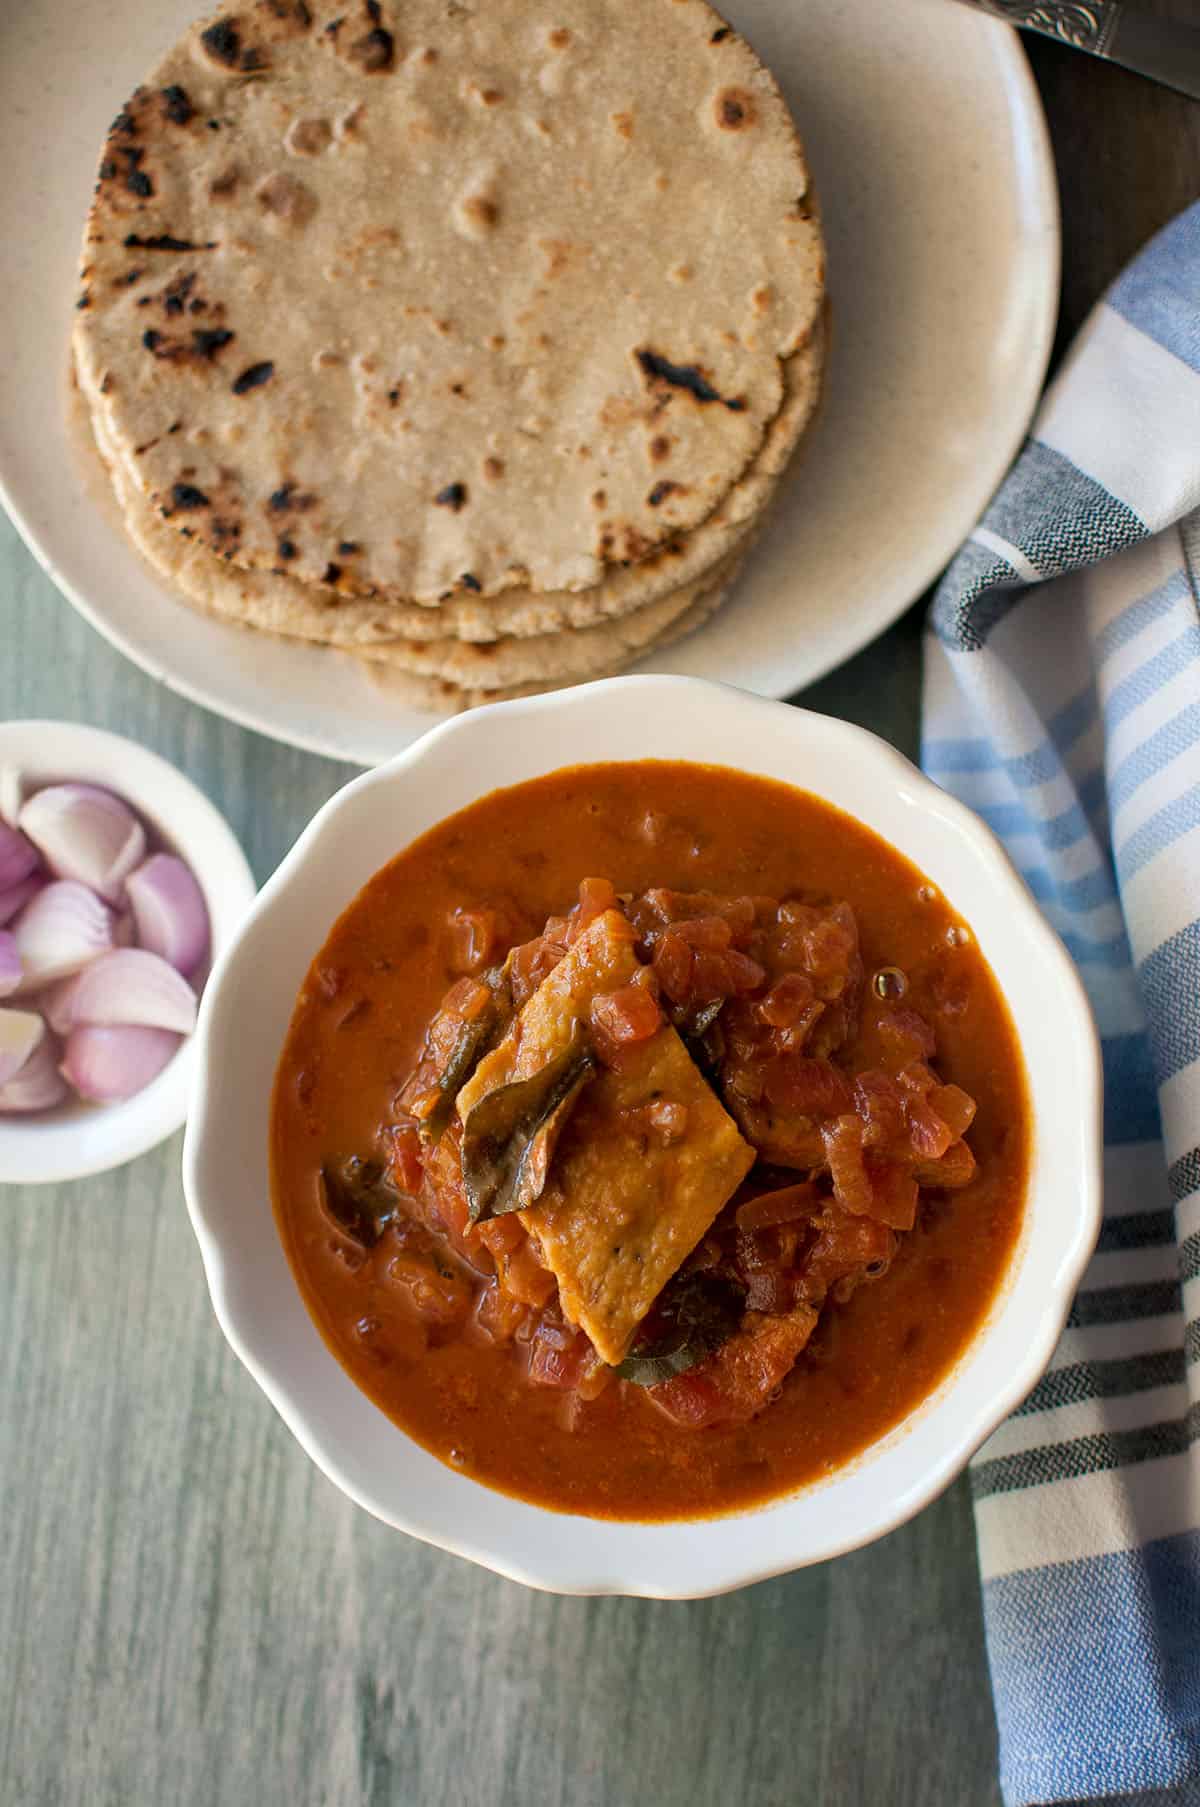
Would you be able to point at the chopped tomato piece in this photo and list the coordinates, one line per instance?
(712, 933)
(474, 938)
(558, 1361)
(845, 1245)
(803, 1086)
(956, 1168)
(894, 1195)
(532, 962)
(439, 1292)
(630, 1014)
(742, 1376)
(596, 895)
(499, 1315)
(879, 1101)
(673, 961)
(928, 1135)
(789, 1001)
(955, 1107)
(406, 1169)
(906, 1036)
(747, 974)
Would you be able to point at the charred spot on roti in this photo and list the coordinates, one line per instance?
(284, 500)
(331, 574)
(660, 447)
(177, 105)
(374, 53)
(688, 377)
(176, 293)
(151, 340)
(187, 496)
(84, 301)
(469, 581)
(222, 42)
(660, 492)
(734, 109)
(163, 241)
(254, 377)
(493, 469)
(209, 340)
(287, 549)
(347, 548)
(454, 497)
(719, 37)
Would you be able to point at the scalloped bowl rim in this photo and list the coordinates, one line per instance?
(225, 1154)
(79, 1140)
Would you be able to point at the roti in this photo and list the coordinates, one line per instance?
(449, 299)
(281, 604)
(498, 664)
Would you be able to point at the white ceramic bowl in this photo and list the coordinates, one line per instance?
(249, 1003)
(80, 1139)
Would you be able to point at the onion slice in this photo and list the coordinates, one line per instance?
(37, 1085)
(20, 1033)
(170, 912)
(131, 987)
(14, 901)
(18, 857)
(10, 964)
(106, 1064)
(85, 833)
(60, 932)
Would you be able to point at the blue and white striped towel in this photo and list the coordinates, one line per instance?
(1062, 701)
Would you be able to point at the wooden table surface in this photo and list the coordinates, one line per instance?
(190, 1613)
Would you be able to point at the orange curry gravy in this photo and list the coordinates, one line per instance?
(358, 1030)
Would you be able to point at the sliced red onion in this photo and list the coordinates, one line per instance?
(60, 932)
(10, 964)
(12, 793)
(130, 986)
(20, 1033)
(18, 857)
(170, 912)
(85, 833)
(14, 901)
(106, 1064)
(37, 1085)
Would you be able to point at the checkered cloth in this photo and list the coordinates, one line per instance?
(1062, 702)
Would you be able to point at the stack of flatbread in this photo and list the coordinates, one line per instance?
(471, 336)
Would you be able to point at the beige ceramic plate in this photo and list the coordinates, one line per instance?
(930, 153)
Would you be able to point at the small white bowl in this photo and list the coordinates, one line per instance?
(79, 1139)
(245, 1015)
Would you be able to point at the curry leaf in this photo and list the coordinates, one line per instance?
(693, 1316)
(357, 1199)
(510, 1135)
(476, 1038)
